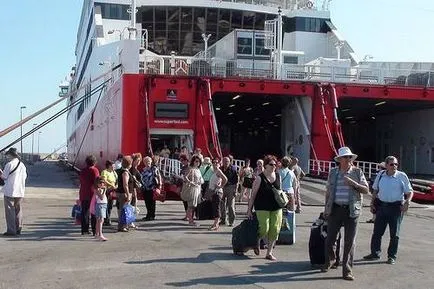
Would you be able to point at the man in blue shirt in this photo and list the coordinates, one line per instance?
(392, 194)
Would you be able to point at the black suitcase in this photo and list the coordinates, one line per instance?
(245, 236)
(318, 235)
(204, 211)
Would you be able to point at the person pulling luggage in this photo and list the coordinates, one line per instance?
(268, 211)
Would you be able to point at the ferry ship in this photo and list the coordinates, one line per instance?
(246, 77)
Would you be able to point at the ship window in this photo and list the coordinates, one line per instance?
(260, 47)
(305, 24)
(244, 46)
(114, 11)
(171, 110)
(290, 59)
(248, 19)
(236, 19)
(259, 21)
(148, 15)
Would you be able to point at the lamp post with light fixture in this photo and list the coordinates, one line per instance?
(39, 136)
(205, 38)
(33, 141)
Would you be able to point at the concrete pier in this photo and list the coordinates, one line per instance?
(167, 253)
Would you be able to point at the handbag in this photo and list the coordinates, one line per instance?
(137, 183)
(248, 182)
(158, 195)
(280, 197)
(185, 191)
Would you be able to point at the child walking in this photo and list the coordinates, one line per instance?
(100, 207)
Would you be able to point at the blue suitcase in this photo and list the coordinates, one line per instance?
(287, 232)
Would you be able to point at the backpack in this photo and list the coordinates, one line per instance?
(150, 178)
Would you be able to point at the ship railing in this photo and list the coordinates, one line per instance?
(172, 167)
(321, 168)
(291, 5)
(264, 69)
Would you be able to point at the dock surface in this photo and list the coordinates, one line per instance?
(167, 253)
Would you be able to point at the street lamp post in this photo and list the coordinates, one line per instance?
(205, 39)
(21, 127)
(33, 141)
(39, 135)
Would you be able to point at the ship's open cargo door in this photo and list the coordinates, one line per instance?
(253, 125)
(376, 128)
(171, 138)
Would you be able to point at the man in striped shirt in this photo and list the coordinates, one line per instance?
(345, 186)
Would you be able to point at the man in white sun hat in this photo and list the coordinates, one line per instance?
(345, 186)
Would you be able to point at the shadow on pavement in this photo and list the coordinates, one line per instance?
(202, 258)
(60, 230)
(252, 279)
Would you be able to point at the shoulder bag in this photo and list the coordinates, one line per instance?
(2, 182)
(279, 195)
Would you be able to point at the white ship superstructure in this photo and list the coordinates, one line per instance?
(291, 41)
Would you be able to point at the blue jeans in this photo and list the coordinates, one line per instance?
(387, 215)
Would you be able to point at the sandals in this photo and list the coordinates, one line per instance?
(257, 251)
(194, 224)
(271, 258)
(213, 228)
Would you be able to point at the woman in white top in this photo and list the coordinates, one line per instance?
(216, 183)
(194, 181)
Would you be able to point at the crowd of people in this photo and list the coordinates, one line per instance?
(220, 182)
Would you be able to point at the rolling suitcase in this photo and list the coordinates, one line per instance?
(245, 236)
(287, 232)
(318, 235)
(204, 211)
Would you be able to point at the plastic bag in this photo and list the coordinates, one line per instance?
(128, 215)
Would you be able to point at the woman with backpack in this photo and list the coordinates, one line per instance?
(151, 179)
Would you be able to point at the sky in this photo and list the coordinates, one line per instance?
(38, 42)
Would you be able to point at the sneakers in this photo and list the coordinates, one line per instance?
(391, 261)
(371, 257)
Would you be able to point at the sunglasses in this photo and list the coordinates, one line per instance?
(347, 157)
(272, 164)
(393, 164)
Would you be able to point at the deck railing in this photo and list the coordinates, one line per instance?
(322, 168)
(169, 167)
(216, 67)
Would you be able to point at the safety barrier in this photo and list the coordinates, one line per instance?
(169, 167)
(322, 168)
(216, 67)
